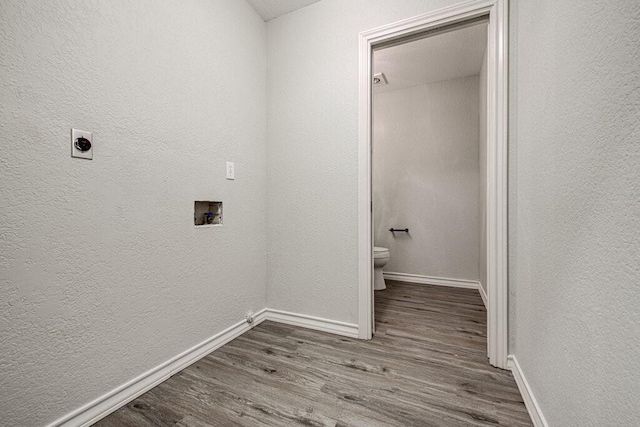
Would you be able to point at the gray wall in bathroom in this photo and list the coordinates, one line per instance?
(425, 177)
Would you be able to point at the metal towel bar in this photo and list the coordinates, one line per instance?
(403, 230)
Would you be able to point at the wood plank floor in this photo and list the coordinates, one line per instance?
(426, 366)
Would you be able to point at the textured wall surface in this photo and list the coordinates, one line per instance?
(425, 177)
(574, 212)
(482, 176)
(103, 274)
(313, 152)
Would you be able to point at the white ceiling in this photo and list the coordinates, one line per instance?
(270, 9)
(444, 56)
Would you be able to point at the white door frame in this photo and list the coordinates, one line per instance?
(497, 110)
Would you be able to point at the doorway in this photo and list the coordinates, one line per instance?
(439, 22)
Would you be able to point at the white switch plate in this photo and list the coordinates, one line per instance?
(231, 173)
(75, 134)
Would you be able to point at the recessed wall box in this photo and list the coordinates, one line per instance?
(207, 213)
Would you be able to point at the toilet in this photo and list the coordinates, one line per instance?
(380, 259)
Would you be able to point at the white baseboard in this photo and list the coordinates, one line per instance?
(311, 322)
(437, 281)
(527, 395)
(428, 280)
(106, 404)
(483, 294)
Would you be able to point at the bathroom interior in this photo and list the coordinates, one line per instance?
(429, 161)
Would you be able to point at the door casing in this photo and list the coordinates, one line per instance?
(497, 144)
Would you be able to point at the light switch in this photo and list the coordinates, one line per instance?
(231, 174)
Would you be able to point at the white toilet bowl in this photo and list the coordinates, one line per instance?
(380, 258)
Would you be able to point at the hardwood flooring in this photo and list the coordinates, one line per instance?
(426, 366)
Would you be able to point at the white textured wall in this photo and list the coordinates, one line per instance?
(574, 215)
(103, 275)
(313, 152)
(154, 78)
(425, 177)
(482, 173)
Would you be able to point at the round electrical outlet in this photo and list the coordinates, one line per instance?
(83, 144)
